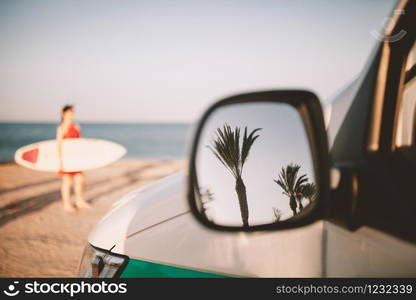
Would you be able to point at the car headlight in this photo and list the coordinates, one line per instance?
(101, 263)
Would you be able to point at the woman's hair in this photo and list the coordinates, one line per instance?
(65, 109)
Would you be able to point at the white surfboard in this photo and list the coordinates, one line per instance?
(78, 154)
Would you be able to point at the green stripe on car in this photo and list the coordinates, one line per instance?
(144, 269)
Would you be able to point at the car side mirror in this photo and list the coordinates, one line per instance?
(260, 161)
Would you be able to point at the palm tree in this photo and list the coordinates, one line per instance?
(277, 215)
(299, 198)
(292, 185)
(226, 147)
(206, 197)
(309, 191)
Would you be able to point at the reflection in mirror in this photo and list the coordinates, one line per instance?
(254, 166)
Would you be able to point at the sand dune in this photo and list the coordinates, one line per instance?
(38, 238)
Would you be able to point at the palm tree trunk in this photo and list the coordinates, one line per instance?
(300, 204)
(293, 205)
(240, 188)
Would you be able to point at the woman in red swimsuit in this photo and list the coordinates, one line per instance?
(67, 129)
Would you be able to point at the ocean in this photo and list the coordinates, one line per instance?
(142, 140)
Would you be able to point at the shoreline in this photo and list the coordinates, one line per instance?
(131, 159)
(38, 238)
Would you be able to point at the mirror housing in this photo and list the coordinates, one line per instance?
(308, 109)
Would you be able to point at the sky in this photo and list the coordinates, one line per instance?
(167, 61)
(270, 152)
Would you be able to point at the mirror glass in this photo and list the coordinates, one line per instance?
(254, 165)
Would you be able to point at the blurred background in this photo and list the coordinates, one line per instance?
(164, 62)
(140, 73)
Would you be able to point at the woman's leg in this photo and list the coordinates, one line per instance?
(79, 187)
(66, 193)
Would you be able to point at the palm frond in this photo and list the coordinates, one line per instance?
(248, 141)
(309, 191)
(282, 184)
(219, 157)
(287, 178)
(226, 147)
(292, 185)
(299, 183)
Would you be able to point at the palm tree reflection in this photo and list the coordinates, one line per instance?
(206, 197)
(233, 154)
(309, 191)
(232, 151)
(277, 214)
(296, 188)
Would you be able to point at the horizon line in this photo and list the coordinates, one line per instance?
(95, 122)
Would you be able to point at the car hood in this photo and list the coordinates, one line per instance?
(140, 209)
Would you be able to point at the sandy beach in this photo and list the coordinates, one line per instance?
(38, 239)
